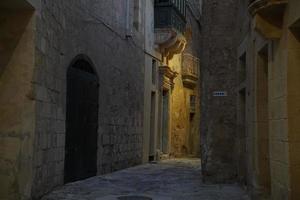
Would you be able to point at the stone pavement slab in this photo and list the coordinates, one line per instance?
(178, 179)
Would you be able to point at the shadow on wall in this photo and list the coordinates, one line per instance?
(295, 29)
(12, 27)
(16, 122)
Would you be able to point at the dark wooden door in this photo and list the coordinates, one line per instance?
(81, 124)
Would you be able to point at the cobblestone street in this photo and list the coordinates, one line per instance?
(178, 179)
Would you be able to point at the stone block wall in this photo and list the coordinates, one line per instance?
(184, 125)
(218, 64)
(17, 105)
(194, 48)
(96, 29)
(292, 84)
(179, 113)
(39, 47)
(282, 170)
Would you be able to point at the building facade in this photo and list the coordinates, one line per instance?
(250, 129)
(218, 99)
(172, 110)
(268, 109)
(71, 81)
(91, 87)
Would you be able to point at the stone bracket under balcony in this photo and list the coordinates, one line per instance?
(167, 76)
(169, 42)
(268, 17)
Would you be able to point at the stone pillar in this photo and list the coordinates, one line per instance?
(218, 64)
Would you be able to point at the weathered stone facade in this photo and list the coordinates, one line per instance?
(251, 49)
(17, 119)
(218, 113)
(33, 88)
(144, 88)
(185, 110)
(268, 56)
(171, 124)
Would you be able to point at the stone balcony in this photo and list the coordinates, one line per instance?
(170, 24)
(167, 76)
(190, 70)
(268, 16)
(169, 42)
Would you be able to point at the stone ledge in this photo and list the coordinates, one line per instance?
(268, 17)
(257, 6)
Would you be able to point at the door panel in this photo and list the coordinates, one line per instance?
(81, 125)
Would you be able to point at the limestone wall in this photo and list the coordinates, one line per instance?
(184, 123)
(98, 30)
(218, 114)
(179, 115)
(151, 89)
(272, 172)
(184, 127)
(17, 105)
(292, 87)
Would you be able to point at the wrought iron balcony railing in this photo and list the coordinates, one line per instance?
(170, 14)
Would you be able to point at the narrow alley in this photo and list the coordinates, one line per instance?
(149, 99)
(175, 179)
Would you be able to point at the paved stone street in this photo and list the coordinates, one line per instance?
(178, 179)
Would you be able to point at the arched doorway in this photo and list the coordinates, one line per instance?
(81, 121)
